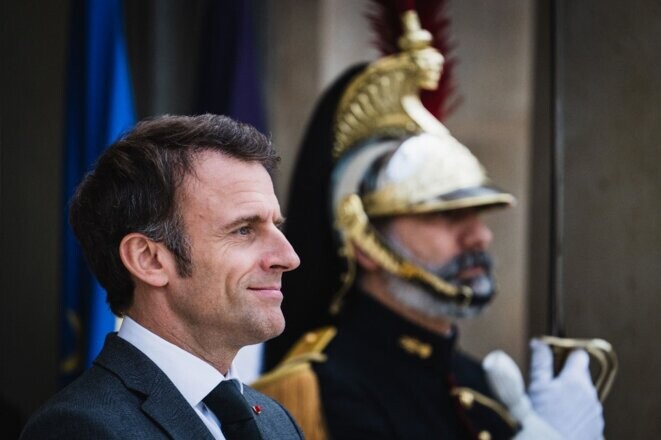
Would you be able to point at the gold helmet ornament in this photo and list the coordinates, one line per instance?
(372, 150)
(394, 157)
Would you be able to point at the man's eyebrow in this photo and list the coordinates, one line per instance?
(251, 220)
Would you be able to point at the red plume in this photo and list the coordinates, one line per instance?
(384, 17)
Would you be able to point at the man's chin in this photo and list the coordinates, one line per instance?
(274, 326)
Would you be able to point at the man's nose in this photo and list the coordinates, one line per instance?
(282, 256)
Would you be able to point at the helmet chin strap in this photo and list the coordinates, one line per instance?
(482, 284)
(418, 296)
(355, 228)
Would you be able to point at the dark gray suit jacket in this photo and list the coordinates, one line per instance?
(126, 396)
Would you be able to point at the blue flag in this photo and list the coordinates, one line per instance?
(99, 108)
(229, 81)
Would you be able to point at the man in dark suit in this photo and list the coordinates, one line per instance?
(180, 224)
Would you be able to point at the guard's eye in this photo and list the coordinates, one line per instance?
(457, 214)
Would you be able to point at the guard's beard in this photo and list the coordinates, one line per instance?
(424, 299)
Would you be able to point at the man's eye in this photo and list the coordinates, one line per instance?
(244, 230)
(456, 215)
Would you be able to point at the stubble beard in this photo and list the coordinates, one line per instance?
(258, 320)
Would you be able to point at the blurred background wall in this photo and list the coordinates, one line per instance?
(601, 104)
(605, 116)
(34, 37)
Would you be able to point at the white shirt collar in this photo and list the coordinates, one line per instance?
(193, 377)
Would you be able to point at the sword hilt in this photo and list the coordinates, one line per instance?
(599, 350)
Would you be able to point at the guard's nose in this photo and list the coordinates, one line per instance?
(477, 235)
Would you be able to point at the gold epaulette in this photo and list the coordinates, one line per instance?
(293, 382)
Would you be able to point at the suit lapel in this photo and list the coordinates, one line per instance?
(163, 403)
(169, 409)
(260, 419)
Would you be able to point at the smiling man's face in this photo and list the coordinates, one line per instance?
(232, 220)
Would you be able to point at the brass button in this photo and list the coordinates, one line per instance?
(466, 399)
(484, 435)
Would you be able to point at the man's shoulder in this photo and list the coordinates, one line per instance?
(96, 386)
(92, 406)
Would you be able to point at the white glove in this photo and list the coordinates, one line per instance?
(568, 402)
(506, 382)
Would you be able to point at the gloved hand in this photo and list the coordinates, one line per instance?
(568, 402)
(506, 382)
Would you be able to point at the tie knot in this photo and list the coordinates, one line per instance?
(233, 411)
(227, 403)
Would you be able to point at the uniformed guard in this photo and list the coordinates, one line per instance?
(385, 213)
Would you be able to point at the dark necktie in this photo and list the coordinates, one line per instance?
(233, 411)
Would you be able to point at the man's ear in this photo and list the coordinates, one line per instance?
(364, 260)
(145, 259)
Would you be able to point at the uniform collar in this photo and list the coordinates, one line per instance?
(391, 332)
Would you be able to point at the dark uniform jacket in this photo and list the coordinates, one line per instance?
(386, 378)
(124, 395)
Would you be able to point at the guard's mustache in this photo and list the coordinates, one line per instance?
(466, 260)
